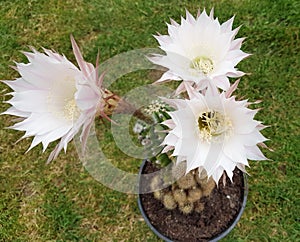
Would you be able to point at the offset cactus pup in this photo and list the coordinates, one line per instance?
(210, 219)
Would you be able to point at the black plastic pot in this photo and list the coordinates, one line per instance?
(216, 238)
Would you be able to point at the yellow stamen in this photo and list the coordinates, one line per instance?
(71, 110)
(212, 124)
(203, 64)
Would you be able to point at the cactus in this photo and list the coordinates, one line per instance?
(194, 194)
(186, 208)
(179, 196)
(201, 176)
(158, 195)
(208, 187)
(186, 193)
(187, 181)
(169, 201)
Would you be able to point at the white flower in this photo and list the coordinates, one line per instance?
(213, 132)
(54, 98)
(201, 51)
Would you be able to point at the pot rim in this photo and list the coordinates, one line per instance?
(214, 239)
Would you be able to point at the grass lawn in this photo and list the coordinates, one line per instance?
(62, 202)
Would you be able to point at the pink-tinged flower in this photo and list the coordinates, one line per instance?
(55, 99)
(200, 50)
(213, 132)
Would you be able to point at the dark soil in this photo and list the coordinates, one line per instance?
(221, 209)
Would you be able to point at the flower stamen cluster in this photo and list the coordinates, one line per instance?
(202, 64)
(212, 124)
(71, 111)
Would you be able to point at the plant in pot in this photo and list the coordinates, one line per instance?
(207, 134)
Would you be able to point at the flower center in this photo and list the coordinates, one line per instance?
(203, 64)
(213, 124)
(71, 111)
(61, 101)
